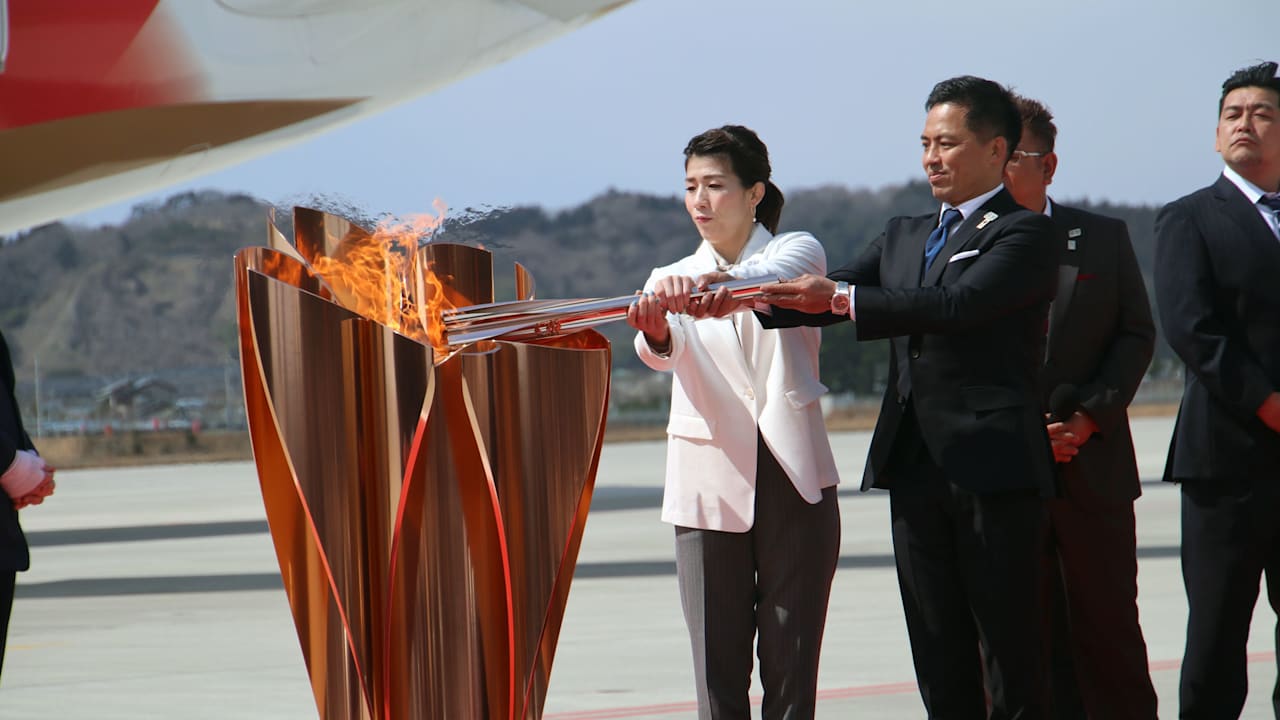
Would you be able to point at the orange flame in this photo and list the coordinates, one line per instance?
(377, 276)
(280, 267)
(432, 302)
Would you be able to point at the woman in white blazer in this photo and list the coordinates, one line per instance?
(750, 480)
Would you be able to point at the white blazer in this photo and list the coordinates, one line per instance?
(719, 396)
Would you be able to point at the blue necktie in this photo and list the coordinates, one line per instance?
(938, 237)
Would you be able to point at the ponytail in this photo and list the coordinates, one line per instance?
(769, 211)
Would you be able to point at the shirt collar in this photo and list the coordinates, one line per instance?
(1048, 206)
(967, 207)
(1251, 191)
(760, 237)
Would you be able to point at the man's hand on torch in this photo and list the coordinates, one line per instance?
(807, 293)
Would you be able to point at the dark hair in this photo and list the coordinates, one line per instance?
(991, 111)
(1262, 75)
(748, 159)
(1037, 119)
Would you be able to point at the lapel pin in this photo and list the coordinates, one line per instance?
(1074, 233)
(986, 220)
(1071, 244)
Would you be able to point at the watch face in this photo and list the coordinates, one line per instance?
(840, 304)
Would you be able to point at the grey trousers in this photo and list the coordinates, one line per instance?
(774, 579)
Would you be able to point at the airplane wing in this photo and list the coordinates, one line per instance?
(103, 100)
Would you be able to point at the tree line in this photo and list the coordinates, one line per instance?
(156, 291)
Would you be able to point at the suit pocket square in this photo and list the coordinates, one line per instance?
(963, 255)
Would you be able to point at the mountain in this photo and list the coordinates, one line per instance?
(155, 294)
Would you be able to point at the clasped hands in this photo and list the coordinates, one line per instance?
(1067, 437)
(42, 491)
(29, 479)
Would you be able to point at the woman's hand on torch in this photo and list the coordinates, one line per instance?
(673, 292)
(807, 293)
(715, 304)
(647, 316)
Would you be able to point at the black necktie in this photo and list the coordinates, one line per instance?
(1271, 200)
(938, 237)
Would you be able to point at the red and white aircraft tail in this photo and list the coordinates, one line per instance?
(103, 100)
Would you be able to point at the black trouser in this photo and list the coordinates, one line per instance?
(1098, 667)
(7, 580)
(969, 568)
(1230, 538)
(774, 579)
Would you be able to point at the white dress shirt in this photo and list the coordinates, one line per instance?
(966, 209)
(1255, 193)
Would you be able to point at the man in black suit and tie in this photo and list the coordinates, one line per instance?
(963, 294)
(1101, 338)
(1217, 276)
(26, 480)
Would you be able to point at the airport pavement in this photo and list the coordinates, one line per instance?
(154, 593)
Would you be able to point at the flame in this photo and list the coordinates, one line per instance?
(432, 302)
(279, 267)
(378, 276)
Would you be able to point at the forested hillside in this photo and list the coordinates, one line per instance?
(155, 293)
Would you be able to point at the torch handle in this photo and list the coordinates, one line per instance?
(545, 318)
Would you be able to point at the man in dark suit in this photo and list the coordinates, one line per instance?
(1101, 338)
(963, 293)
(26, 480)
(1217, 276)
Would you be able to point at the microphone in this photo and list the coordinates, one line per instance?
(1063, 402)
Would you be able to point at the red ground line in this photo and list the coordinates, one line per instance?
(1157, 665)
(686, 707)
(831, 694)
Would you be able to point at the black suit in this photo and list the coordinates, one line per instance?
(1101, 338)
(14, 556)
(1218, 291)
(961, 445)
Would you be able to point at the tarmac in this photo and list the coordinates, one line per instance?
(154, 593)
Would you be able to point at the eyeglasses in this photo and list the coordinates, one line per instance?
(1016, 156)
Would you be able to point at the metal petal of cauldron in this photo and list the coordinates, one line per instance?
(426, 509)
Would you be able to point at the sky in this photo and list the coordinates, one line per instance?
(835, 88)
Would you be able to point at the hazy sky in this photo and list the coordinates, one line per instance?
(835, 88)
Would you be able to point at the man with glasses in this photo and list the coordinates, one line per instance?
(1217, 276)
(1101, 338)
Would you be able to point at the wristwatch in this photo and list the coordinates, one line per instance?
(840, 299)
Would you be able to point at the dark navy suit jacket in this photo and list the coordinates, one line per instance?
(1101, 338)
(967, 343)
(1217, 276)
(13, 544)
